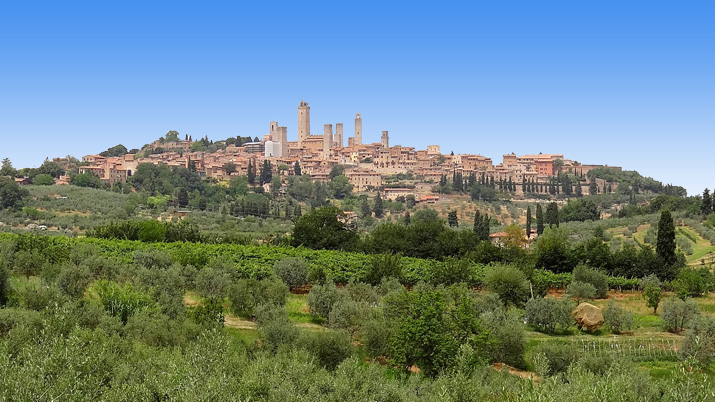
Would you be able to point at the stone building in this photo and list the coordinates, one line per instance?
(339, 135)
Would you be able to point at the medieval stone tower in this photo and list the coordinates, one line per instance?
(303, 121)
(338, 135)
(385, 140)
(327, 139)
(357, 140)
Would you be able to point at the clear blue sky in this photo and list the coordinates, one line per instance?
(628, 83)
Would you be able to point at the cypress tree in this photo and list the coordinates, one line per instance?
(539, 220)
(365, 209)
(486, 221)
(707, 205)
(665, 246)
(251, 172)
(182, 198)
(296, 169)
(378, 209)
(528, 222)
(452, 219)
(552, 215)
(477, 223)
(4, 285)
(407, 218)
(593, 188)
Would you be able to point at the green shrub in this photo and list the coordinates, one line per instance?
(329, 347)
(376, 333)
(160, 330)
(598, 279)
(652, 291)
(449, 272)
(384, 266)
(348, 315)
(690, 283)
(559, 356)
(322, 298)
(509, 283)
(678, 314)
(549, 315)
(73, 280)
(617, 318)
(247, 294)
(581, 291)
(292, 271)
(4, 285)
(507, 329)
(362, 292)
(152, 259)
(275, 328)
(699, 343)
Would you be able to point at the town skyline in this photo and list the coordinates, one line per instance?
(484, 78)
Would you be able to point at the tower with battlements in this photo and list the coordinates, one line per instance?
(338, 135)
(327, 140)
(357, 140)
(303, 121)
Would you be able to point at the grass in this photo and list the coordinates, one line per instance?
(297, 307)
(247, 336)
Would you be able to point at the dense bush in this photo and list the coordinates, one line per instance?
(581, 291)
(559, 356)
(691, 282)
(384, 266)
(509, 283)
(699, 343)
(549, 315)
(507, 328)
(246, 295)
(322, 298)
(598, 279)
(617, 318)
(292, 271)
(275, 327)
(329, 347)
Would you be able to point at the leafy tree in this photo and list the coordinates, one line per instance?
(617, 318)
(549, 315)
(340, 187)
(679, 314)
(117, 150)
(599, 280)
(11, 194)
(539, 220)
(275, 327)
(432, 325)
(247, 295)
(509, 283)
(699, 343)
(292, 271)
(690, 283)
(229, 168)
(666, 239)
(552, 251)
(579, 210)
(330, 347)
(378, 208)
(581, 291)
(528, 222)
(43, 180)
(322, 298)
(7, 169)
(452, 219)
(324, 228)
(451, 271)
(514, 237)
(652, 291)
(86, 180)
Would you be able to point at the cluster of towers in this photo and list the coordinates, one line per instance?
(278, 142)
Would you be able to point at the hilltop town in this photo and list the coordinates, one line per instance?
(366, 164)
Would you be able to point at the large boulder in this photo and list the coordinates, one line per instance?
(588, 317)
